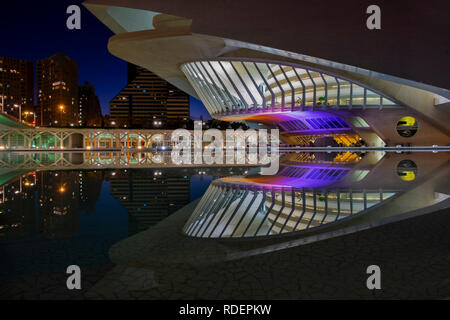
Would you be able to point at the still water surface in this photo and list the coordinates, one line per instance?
(51, 219)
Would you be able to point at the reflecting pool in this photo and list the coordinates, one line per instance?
(141, 227)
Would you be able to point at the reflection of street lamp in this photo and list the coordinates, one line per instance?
(3, 98)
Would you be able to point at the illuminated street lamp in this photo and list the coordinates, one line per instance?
(31, 113)
(61, 108)
(20, 111)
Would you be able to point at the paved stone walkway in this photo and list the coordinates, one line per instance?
(50, 286)
(160, 263)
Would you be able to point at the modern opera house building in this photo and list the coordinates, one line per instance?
(295, 71)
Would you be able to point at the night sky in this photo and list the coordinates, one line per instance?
(37, 29)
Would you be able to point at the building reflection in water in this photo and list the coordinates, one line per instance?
(242, 211)
(49, 203)
(17, 207)
(311, 191)
(149, 196)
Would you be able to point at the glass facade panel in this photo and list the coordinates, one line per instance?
(205, 87)
(332, 89)
(240, 88)
(357, 95)
(251, 88)
(372, 98)
(258, 84)
(288, 87)
(236, 213)
(254, 210)
(387, 101)
(320, 88)
(260, 214)
(263, 73)
(220, 98)
(274, 82)
(210, 213)
(219, 86)
(223, 78)
(344, 93)
(217, 227)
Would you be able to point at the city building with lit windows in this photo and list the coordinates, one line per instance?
(89, 112)
(277, 71)
(16, 86)
(57, 91)
(148, 101)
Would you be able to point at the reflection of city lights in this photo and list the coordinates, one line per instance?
(59, 212)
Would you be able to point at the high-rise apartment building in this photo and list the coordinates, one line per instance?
(16, 86)
(148, 101)
(89, 111)
(57, 91)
